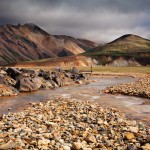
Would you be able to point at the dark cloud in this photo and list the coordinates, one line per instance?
(98, 20)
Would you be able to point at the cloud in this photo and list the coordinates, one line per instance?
(97, 20)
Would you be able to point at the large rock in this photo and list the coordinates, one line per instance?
(74, 70)
(14, 73)
(5, 79)
(44, 74)
(48, 84)
(29, 73)
(58, 81)
(6, 90)
(27, 84)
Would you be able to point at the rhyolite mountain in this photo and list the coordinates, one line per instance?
(128, 50)
(29, 42)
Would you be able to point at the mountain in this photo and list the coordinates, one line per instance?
(29, 42)
(127, 50)
(129, 43)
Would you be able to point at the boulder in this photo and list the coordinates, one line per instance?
(27, 84)
(5, 79)
(3, 72)
(44, 74)
(47, 84)
(58, 81)
(6, 90)
(53, 83)
(29, 72)
(74, 70)
(38, 81)
(14, 73)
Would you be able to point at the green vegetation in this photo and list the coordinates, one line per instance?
(105, 69)
(102, 69)
(125, 46)
(128, 47)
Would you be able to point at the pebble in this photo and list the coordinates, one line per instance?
(77, 146)
(140, 88)
(129, 136)
(66, 124)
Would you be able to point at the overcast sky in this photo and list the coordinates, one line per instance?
(96, 20)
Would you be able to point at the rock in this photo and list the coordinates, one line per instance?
(38, 81)
(74, 70)
(2, 72)
(133, 129)
(9, 145)
(53, 84)
(91, 138)
(58, 81)
(6, 90)
(66, 124)
(43, 142)
(129, 136)
(14, 73)
(26, 85)
(66, 147)
(79, 82)
(146, 147)
(140, 88)
(77, 146)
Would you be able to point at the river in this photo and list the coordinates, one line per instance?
(130, 105)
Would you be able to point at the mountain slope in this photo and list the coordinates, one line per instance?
(128, 47)
(129, 43)
(29, 42)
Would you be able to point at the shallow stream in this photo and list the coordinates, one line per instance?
(131, 106)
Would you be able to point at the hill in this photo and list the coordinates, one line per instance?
(126, 50)
(29, 42)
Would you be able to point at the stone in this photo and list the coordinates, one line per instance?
(146, 146)
(6, 90)
(9, 145)
(79, 82)
(74, 70)
(43, 142)
(13, 72)
(129, 136)
(76, 146)
(133, 129)
(66, 147)
(58, 81)
(26, 85)
(91, 138)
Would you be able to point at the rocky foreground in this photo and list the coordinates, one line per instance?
(140, 88)
(13, 80)
(64, 124)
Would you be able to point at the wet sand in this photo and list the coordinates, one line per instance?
(131, 106)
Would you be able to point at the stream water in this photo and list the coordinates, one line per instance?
(131, 106)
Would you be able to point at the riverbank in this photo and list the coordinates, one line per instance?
(13, 80)
(67, 124)
(140, 88)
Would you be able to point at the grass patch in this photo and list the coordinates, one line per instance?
(102, 69)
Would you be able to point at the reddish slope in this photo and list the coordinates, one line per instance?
(29, 42)
(68, 61)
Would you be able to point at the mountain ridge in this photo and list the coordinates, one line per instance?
(29, 42)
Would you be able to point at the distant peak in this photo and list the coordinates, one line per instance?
(128, 35)
(30, 24)
(34, 28)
